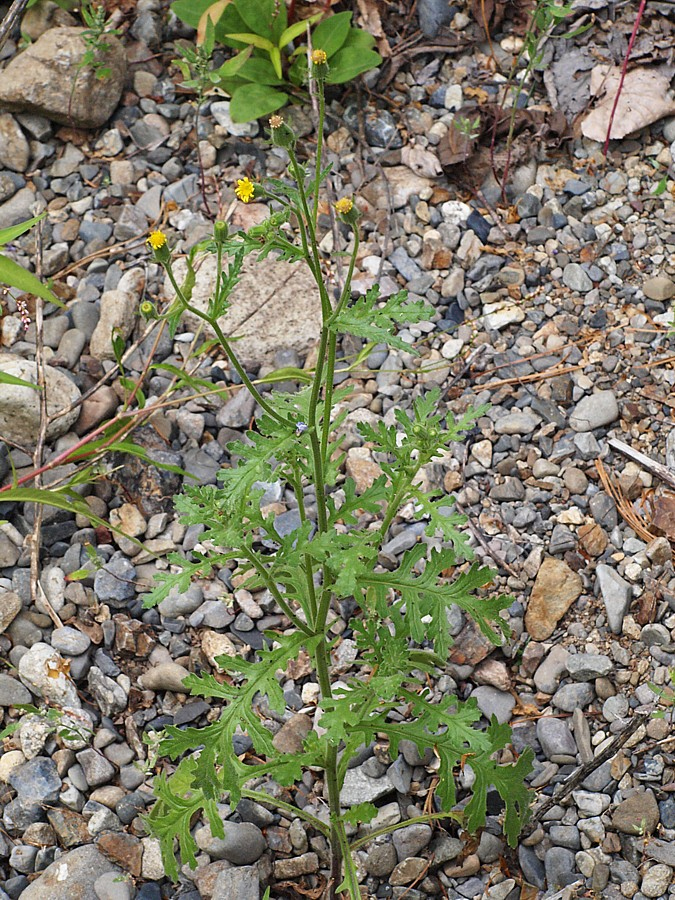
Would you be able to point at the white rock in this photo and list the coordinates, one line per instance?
(498, 315)
(43, 671)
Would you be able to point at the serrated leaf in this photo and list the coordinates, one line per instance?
(365, 319)
(426, 600)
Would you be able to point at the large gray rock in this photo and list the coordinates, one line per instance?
(72, 876)
(40, 80)
(275, 305)
(20, 406)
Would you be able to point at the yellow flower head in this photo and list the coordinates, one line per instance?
(319, 57)
(157, 240)
(245, 189)
(276, 121)
(344, 205)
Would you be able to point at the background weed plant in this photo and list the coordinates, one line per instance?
(271, 67)
(399, 620)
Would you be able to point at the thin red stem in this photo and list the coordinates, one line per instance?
(624, 69)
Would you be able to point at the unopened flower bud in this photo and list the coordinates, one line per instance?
(147, 310)
(220, 232)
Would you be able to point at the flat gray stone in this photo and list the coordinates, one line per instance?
(595, 411)
(361, 788)
(588, 666)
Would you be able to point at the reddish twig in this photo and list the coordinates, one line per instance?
(624, 68)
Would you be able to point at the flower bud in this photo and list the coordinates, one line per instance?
(319, 60)
(220, 232)
(281, 134)
(147, 310)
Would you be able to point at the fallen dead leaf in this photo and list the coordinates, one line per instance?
(370, 21)
(663, 514)
(645, 98)
(421, 161)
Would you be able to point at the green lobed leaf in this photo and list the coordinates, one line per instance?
(366, 319)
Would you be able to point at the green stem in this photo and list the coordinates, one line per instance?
(311, 235)
(274, 590)
(416, 820)
(226, 347)
(332, 345)
(295, 811)
(319, 153)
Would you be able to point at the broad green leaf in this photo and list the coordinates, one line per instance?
(266, 17)
(331, 34)
(15, 231)
(287, 373)
(294, 31)
(6, 378)
(255, 39)
(232, 66)
(275, 56)
(252, 101)
(191, 11)
(357, 37)
(349, 62)
(14, 275)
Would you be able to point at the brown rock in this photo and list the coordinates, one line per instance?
(361, 467)
(494, 673)
(99, 406)
(40, 80)
(299, 865)
(409, 870)
(555, 590)
(593, 539)
(205, 877)
(278, 292)
(70, 827)
(123, 849)
(637, 815)
(471, 646)
(10, 607)
(290, 737)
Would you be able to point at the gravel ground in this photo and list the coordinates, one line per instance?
(555, 312)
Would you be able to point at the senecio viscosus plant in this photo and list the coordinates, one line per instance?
(399, 621)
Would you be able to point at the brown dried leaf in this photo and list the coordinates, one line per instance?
(663, 514)
(645, 98)
(370, 21)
